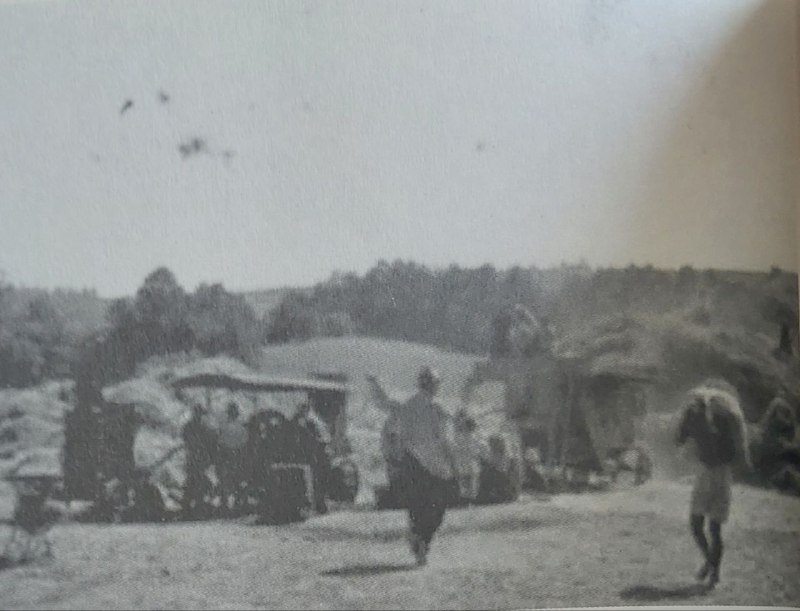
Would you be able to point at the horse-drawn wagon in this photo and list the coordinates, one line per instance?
(575, 412)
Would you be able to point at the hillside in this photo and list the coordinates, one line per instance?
(395, 362)
(456, 308)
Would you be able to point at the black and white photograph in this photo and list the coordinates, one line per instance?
(366, 304)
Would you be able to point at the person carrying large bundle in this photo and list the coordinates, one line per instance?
(713, 419)
(427, 468)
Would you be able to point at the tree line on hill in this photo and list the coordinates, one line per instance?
(39, 340)
(162, 318)
(40, 331)
(75, 333)
(457, 308)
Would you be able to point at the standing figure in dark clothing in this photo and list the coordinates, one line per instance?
(496, 482)
(198, 440)
(713, 419)
(313, 448)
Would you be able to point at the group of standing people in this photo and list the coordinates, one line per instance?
(423, 464)
(224, 447)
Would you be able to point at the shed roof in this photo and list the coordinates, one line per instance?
(257, 383)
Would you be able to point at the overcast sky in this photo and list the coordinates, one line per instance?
(333, 134)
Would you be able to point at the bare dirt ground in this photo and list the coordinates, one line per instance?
(628, 547)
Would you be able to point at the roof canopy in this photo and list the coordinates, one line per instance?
(256, 383)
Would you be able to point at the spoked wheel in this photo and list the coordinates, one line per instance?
(22, 547)
(345, 481)
(634, 460)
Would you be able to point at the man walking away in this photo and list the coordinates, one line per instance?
(428, 466)
(713, 419)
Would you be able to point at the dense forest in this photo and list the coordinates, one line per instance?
(76, 333)
(454, 308)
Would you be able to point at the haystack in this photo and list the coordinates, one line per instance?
(745, 360)
(31, 420)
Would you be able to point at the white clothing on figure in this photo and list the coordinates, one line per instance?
(232, 435)
(423, 428)
(467, 454)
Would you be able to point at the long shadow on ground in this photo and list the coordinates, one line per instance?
(648, 593)
(390, 534)
(365, 570)
(7, 563)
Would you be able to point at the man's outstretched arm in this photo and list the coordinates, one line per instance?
(379, 395)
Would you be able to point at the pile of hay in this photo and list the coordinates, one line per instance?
(746, 360)
(31, 423)
(163, 414)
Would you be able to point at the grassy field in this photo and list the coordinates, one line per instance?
(627, 547)
(396, 363)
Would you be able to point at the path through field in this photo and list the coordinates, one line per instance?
(596, 549)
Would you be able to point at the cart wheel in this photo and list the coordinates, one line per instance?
(147, 504)
(346, 481)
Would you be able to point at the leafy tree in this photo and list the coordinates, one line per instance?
(293, 319)
(222, 322)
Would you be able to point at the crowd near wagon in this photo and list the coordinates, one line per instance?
(573, 416)
(572, 420)
(286, 469)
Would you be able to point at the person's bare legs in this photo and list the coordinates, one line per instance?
(715, 552)
(697, 523)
